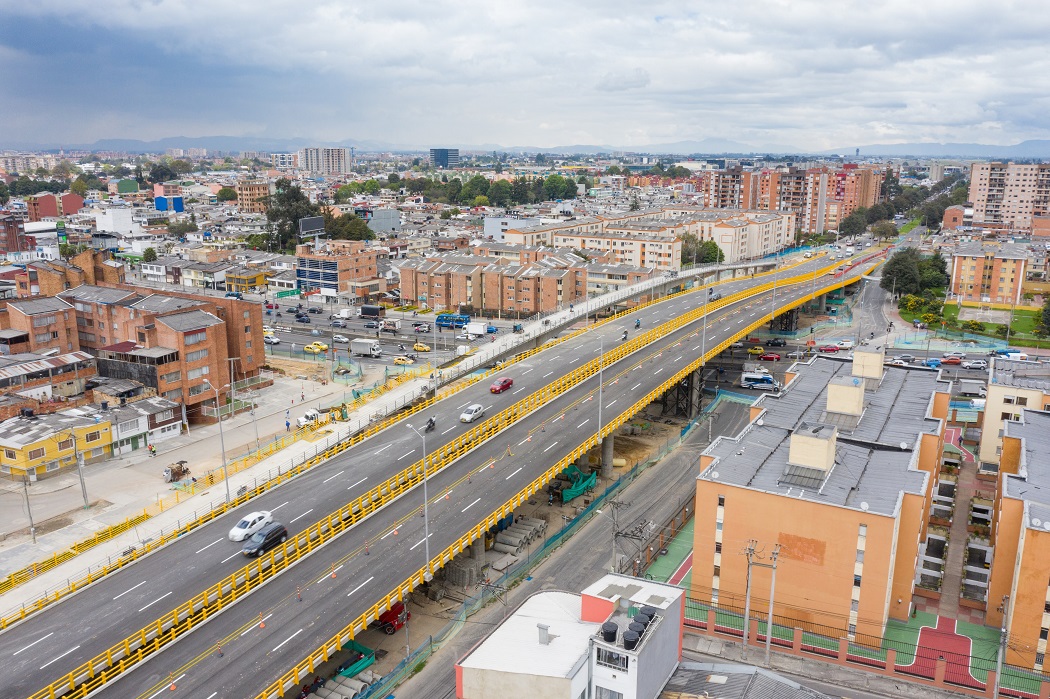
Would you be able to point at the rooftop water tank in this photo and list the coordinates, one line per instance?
(609, 631)
(630, 640)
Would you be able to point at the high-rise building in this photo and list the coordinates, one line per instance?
(325, 161)
(284, 161)
(447, 158)
(1008, 195)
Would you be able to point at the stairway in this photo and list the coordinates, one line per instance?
(951, 585)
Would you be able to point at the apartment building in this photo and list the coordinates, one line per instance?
(12, 232)
(41, 206)
(284, 161)
(334, 268)
(544, 234)
(247, 279)
(36, 446)
(835, 472)
(325, 161)
(252, 196)
(1008, 195)
(33, 381)
(445, 158)
(1020, 534)
(988, 273)
(628, 245)
(42, 325)
(1012, 387)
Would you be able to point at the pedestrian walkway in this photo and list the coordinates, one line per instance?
(676, 564)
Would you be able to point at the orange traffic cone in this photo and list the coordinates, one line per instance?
(171, 681)
(262, 624)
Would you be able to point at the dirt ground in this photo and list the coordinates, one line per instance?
(293, 368)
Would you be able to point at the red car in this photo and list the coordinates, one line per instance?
(830, 349)
(770, 357)
(271, 306)
(500, 385)
(951, 360)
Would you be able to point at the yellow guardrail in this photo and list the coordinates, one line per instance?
(309, 664)
(137, 647)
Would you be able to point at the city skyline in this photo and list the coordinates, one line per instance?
(796, 77)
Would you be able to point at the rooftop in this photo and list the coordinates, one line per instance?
(191, 320)
(158, 303)
(726, 681)
(96, 294)
(1032, 483)
(48, 304)
(1021, 374)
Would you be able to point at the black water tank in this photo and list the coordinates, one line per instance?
(642, 619)
(650, 612)
(637, 628)
(630, 640)
(609, 631)
(105, 405)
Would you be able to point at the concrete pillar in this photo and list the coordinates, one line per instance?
(607, 456)
(477, 550)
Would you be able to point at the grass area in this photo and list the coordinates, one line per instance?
(1025, 321)
(906, 228)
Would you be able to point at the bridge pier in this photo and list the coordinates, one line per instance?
(684, 400)
(607, 456)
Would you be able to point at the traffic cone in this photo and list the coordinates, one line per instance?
(333, 571)
(262, 624)
(171, 681)
(218, 647)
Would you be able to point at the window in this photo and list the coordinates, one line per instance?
(128, 425)
(1043, 634)
(721, 500)
(603, 693)
(36, 453)
(856, 581)
(42, 337)
(197, 373)
(612, 659)
(248, 344)
(41, 321)
(9, 453)
(196, 390)
(1039, 657)
(65, 444)
(854, 605)
(860, 556)
(175, 394)
(172, 377)
(718, 547)
(194, 338)
(92, 436)
(196, 356)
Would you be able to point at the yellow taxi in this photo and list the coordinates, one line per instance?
(402, 360)
(420, 347)
(319, 345)
(756, 350)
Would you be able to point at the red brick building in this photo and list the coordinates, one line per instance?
(12, 230)
(39, 325)
(41, 206)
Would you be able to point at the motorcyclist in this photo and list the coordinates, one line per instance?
(401, 347)
(430, 423)
(624, 336)
(637, 322)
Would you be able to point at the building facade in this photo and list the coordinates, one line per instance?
(445, 158)
(988, 274)
(325, 161)
(1008, 195)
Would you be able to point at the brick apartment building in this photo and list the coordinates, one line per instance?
(38, 325)
(1008, 195)
(989, 274)
(51, 277)
(251, 196)
(12, 232)
(43, 384)
(47, 205)
(334, 269)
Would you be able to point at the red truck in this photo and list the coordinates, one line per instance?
(393, 619)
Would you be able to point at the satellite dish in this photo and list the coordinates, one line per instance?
(1046, 526)
(864, 506)
(856, 381)
(904, 445)
(760, 422)
(714, 475)
(1036, 522)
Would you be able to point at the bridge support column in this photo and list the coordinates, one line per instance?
(477, 550)
(607, 456)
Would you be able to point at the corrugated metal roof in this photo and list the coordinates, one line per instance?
(11, 369)
(1032, 483)
(191, 320)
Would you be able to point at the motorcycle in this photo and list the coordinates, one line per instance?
(401, 347)
(624, 336)
(638, 323)
(430, 425)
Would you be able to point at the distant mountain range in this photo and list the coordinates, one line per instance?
(707, 146)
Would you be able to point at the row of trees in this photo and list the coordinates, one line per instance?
(916, 200)
(700, 252)
(906, 272)
(287, 205)
(478, 191)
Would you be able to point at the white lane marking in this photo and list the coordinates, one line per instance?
(155, 601)
(525, 372)
(610, 404)
(575, 360)
(548, 374)
(558, 356)
(488, 408)
(696, 348)
(59, 657)
(360, 586)
(358, 483)
(208, 546)
(301, 516)
(470, 505)
(210, 696)
(52, 633)
(165, 688)
(280, 506)
(463, 406)
(255, 626)
(550, 447)
(513, 474)
(406, 455)
(583, 423)
(385, 448)
(127, 591)
(331, 477)
(635, 386)
(518, 391)
(286, 640)
(386, 535)
(523, 441)
(413, 547)
(658, 370)
(678, 357)
(231, 557)
(741, 321)
(329, 575)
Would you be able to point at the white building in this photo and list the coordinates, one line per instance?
(559, 645)
(116, 220)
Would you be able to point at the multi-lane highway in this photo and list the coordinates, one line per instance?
(48, 644)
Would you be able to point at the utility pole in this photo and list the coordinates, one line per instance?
(749, 551)
(1005, 609)
(29, 510)
(753, 558)
(772, 589)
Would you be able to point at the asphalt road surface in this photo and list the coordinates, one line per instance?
(48, 645)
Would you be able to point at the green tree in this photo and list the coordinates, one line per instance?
(181, 167)
(1045, 316)
(884, 229)
(499, 193)
(346, 227)
(284, 208)
(78, 187)
(933, 272)
(973, 326)
(226, 194)
(519, 191)
(393, 178)
(901, 272)
(160, 173)
(476, 186)
(710, 253)
(480, 200)
(1001, 330)
(371, 187)
(929, 318)
(855, 223)
(149, 255)
(5, 193)
(182, 228)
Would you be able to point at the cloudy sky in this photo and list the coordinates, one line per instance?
(811, 75)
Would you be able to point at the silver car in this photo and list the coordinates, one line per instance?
(249, 524)
(472, 413)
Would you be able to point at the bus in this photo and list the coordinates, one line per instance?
(759, 381)
(451, 320)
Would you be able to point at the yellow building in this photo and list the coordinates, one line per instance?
(246, 279)
(42, 445)
(1021, 538)
(835, 474)
(1014, 386)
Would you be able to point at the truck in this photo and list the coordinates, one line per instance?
(758, 381)
(308, 418)
(372, 312)
(390, 325)
(344, 313)
(475, 329)
(366, 348)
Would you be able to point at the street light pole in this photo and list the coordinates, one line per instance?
(80, 467)
(29, 510)
(222, 442)
(426, 503)
(255, 421)
(601, 366)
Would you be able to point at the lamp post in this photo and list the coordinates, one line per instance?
(255, 421)
(222, 440)
(426, 503)
(80, 466)
(601, 367)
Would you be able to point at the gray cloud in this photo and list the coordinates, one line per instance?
(541, 73)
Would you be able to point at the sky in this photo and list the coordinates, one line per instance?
(544, 73)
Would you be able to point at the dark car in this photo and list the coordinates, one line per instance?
(234, 295)
(315, 310)
(374, 325)
(265, 539)
(338, 324)
(501, 384)
(777, 342)
(302, 319)
(292, 309)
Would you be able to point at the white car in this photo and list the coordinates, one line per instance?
(960, 355)
(342, 339)
(249, 524)
(975, 364)
(472, 413)
(271, 340)
(844, 344)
